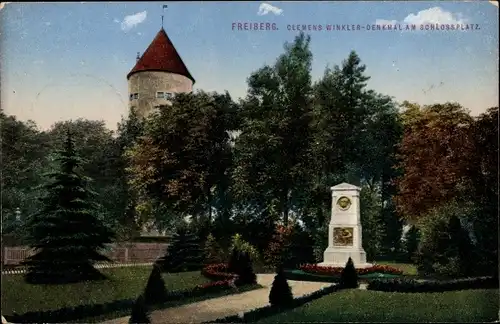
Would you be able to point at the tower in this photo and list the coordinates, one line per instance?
(157, 75)
(344, 231)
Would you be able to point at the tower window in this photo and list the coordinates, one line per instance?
(169, 95)
(160, 95)
(131, 96)
(136, 96)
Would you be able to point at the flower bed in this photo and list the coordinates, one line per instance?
(218, 272)
(336, 271)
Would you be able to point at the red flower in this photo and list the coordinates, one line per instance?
(218, 272)
(324, 270)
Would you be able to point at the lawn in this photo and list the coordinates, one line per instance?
(123, 283)
(374, 306)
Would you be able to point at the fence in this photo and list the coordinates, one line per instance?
(124, 253)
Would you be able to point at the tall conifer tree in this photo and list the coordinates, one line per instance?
(66, 233)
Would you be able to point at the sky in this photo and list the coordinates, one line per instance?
(63, 61)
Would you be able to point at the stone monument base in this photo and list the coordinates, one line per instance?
(333, 257)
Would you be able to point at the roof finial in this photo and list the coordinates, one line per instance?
(164, 6)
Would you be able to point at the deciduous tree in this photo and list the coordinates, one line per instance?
(434, 155)
(272, 152)
(184, 154)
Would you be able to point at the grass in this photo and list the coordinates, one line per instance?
(123, 283)
(374, 306)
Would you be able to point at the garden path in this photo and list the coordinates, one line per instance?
(211, 309)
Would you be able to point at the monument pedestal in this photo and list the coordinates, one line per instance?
(338, 258)
(344, 230)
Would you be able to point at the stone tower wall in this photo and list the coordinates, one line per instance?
(148, 83)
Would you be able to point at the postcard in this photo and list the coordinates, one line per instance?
(245, 161)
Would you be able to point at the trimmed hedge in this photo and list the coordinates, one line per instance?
(83, 311)
(262, 312)
(413, 286)
(300, 275)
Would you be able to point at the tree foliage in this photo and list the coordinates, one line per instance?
(213, 252)
(484, 188)
(67, 232)
(434, 155)
(271, 153)
(372, 222)
(356, 131)
(445, 246)
(183, 157)
(23, 157)
(184, 253)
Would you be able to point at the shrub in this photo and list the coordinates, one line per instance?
(155, 291)
(234, 261)
(445, 247)
(183, 254)
(241, 245)
(213, 252)
(246, 275)
(139, 312)
(349, 276)
(301, 248)
(281, 293)
(279, 246)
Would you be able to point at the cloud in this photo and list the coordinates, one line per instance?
(131, 21)
(434, 15)
(385, 22)
(266, 8)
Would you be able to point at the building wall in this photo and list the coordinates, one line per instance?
(148, 83)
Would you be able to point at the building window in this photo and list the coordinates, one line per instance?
(131, 96)
(136, 96)
(159, 95)
(169, 95)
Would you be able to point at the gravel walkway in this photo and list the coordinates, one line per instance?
(211, 309)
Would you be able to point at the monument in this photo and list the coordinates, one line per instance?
(344, 230)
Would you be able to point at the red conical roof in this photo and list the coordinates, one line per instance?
(161, 55)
